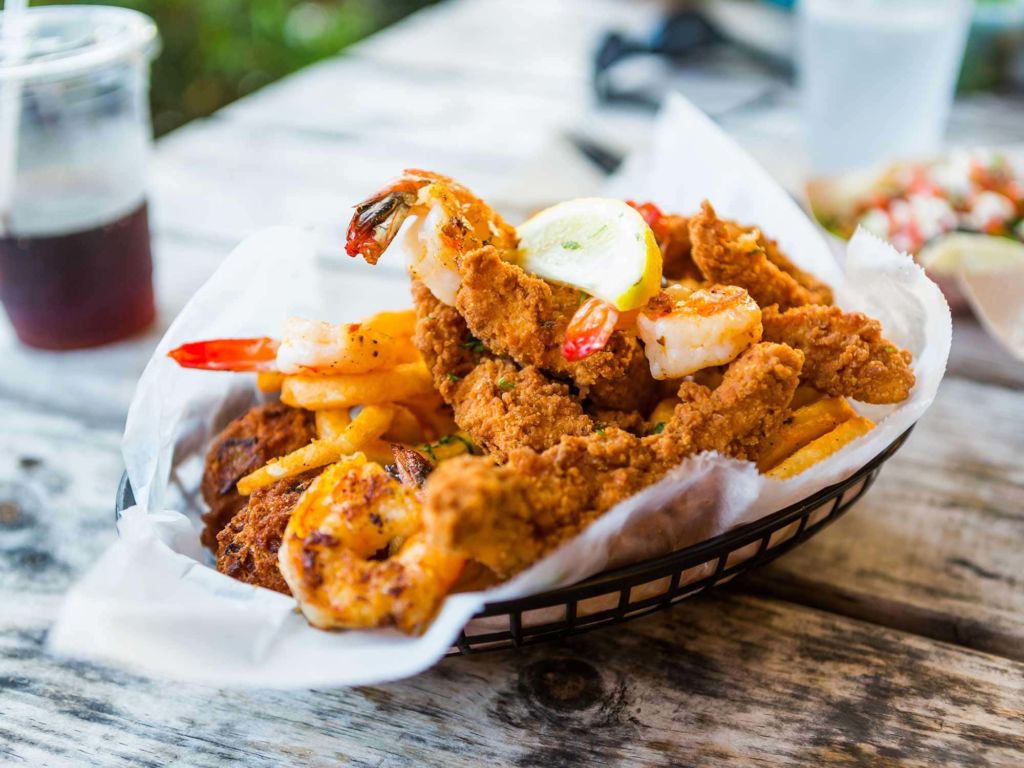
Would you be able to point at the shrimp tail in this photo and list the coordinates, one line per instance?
(376, 222)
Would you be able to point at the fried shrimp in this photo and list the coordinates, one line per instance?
(331, 552)
(845, 352)
(732, 255)
(450, 222)
(500, 405)
(710, 326)
(462, 251)
(508, 516)
(526, 318)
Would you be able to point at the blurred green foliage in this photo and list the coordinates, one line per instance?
(215, 51)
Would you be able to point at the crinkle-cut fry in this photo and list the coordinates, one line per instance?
(804, 425)
(805, 395)
(370, 424)
(662, 413)
(405, 427)
(344, 391)
(448, 447)
(822, 448)
(269, 381)
(332, 422)
(398, 323)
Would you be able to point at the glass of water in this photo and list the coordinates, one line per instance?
(877, 77)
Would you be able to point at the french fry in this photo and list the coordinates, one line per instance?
(319, 392)
(331, 423)
(805, 395)
(370, 424)
(378, 450)
(349, 348)
(405, 427)
(662, 413)
(434, 415)
(804, 425)
(400, 323)
(822, 448)
(269, 381)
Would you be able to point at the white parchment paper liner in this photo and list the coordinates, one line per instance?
(152, 602)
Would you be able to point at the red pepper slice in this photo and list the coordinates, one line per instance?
(589, 329)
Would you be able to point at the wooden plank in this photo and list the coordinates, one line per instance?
(935, 546)
(737, 680)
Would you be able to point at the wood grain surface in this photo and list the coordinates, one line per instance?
(725, 680)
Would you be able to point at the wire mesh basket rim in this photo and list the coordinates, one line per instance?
(652, 568)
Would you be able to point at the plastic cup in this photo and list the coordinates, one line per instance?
(878, 77)
(75, 262)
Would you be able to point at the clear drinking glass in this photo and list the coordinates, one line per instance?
(75, 138)
(878, 77)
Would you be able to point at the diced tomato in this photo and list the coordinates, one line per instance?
(653, 215)
(589, 329)
(259, 354)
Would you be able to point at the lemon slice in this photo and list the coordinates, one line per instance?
(599, 245)
(971, 252)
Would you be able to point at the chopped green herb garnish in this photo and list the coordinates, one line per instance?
(452, 376)
(599, 427)
(429, 317)
(474, 344)
(890, 350)
(571, 245)
(602, 229)
(469, 446)
(658, 428)
(429, 450)
(504, 384)
(583, 297)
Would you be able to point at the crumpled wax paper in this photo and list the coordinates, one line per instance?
(153, 602)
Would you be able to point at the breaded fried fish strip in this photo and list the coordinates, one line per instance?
(508, 516)
(524, 317)
(845, 352)
(729, 254)
(500, 405)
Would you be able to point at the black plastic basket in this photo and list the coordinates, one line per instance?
(637, 590)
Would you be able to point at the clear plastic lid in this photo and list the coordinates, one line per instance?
(62, 41)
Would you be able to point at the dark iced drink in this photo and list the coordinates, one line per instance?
(81, 289)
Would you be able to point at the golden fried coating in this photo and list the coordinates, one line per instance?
(246, 444)
(524, 317)
(673, 233)
(733, 255)
(508, 516)
(845, 352)
(500, 405)
(247, 546)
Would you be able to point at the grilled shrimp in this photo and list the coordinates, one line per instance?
(685, 330)
(311, 347)
(449, 221)
(350, 516)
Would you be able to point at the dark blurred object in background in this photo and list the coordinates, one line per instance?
(216, 51)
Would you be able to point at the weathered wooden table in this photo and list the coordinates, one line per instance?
(895, 637)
